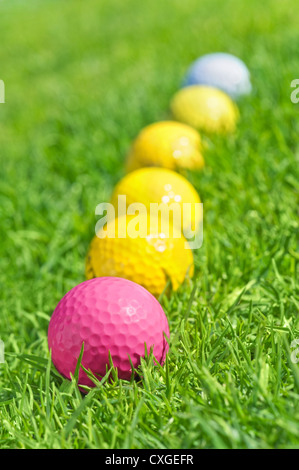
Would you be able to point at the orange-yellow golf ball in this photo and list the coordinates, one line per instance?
(150, 260)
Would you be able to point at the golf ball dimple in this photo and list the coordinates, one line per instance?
(167, 144)
(160, 185)
(108, 315)
(220, 70)
(205, 108)
(150, 261)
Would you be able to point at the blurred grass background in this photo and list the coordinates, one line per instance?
(82, 79)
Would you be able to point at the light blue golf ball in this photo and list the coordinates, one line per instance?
(220, 70)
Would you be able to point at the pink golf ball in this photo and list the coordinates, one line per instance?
(107, 314)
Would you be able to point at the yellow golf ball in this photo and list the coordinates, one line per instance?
(167, 144)
(148, 260)
(205, 108)
(160, 185)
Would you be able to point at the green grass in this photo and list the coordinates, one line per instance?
(82, 78)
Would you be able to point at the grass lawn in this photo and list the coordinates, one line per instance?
(82, 79)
